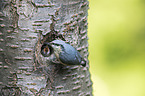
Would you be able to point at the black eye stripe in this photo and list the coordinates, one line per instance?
(56, 44)
(59, 45)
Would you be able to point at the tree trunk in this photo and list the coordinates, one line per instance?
(24, 26)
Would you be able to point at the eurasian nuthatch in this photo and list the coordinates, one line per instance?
(65, 53)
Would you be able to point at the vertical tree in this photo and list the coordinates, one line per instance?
(24, 26)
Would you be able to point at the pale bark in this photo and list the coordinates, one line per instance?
(24, 26)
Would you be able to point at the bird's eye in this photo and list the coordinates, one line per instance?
(46, 49)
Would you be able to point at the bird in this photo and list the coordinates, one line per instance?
(64, 52)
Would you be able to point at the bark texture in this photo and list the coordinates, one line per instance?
(24, 26)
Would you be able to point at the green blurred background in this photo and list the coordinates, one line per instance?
(117, 47)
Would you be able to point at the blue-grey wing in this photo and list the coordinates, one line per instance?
(70, 56)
